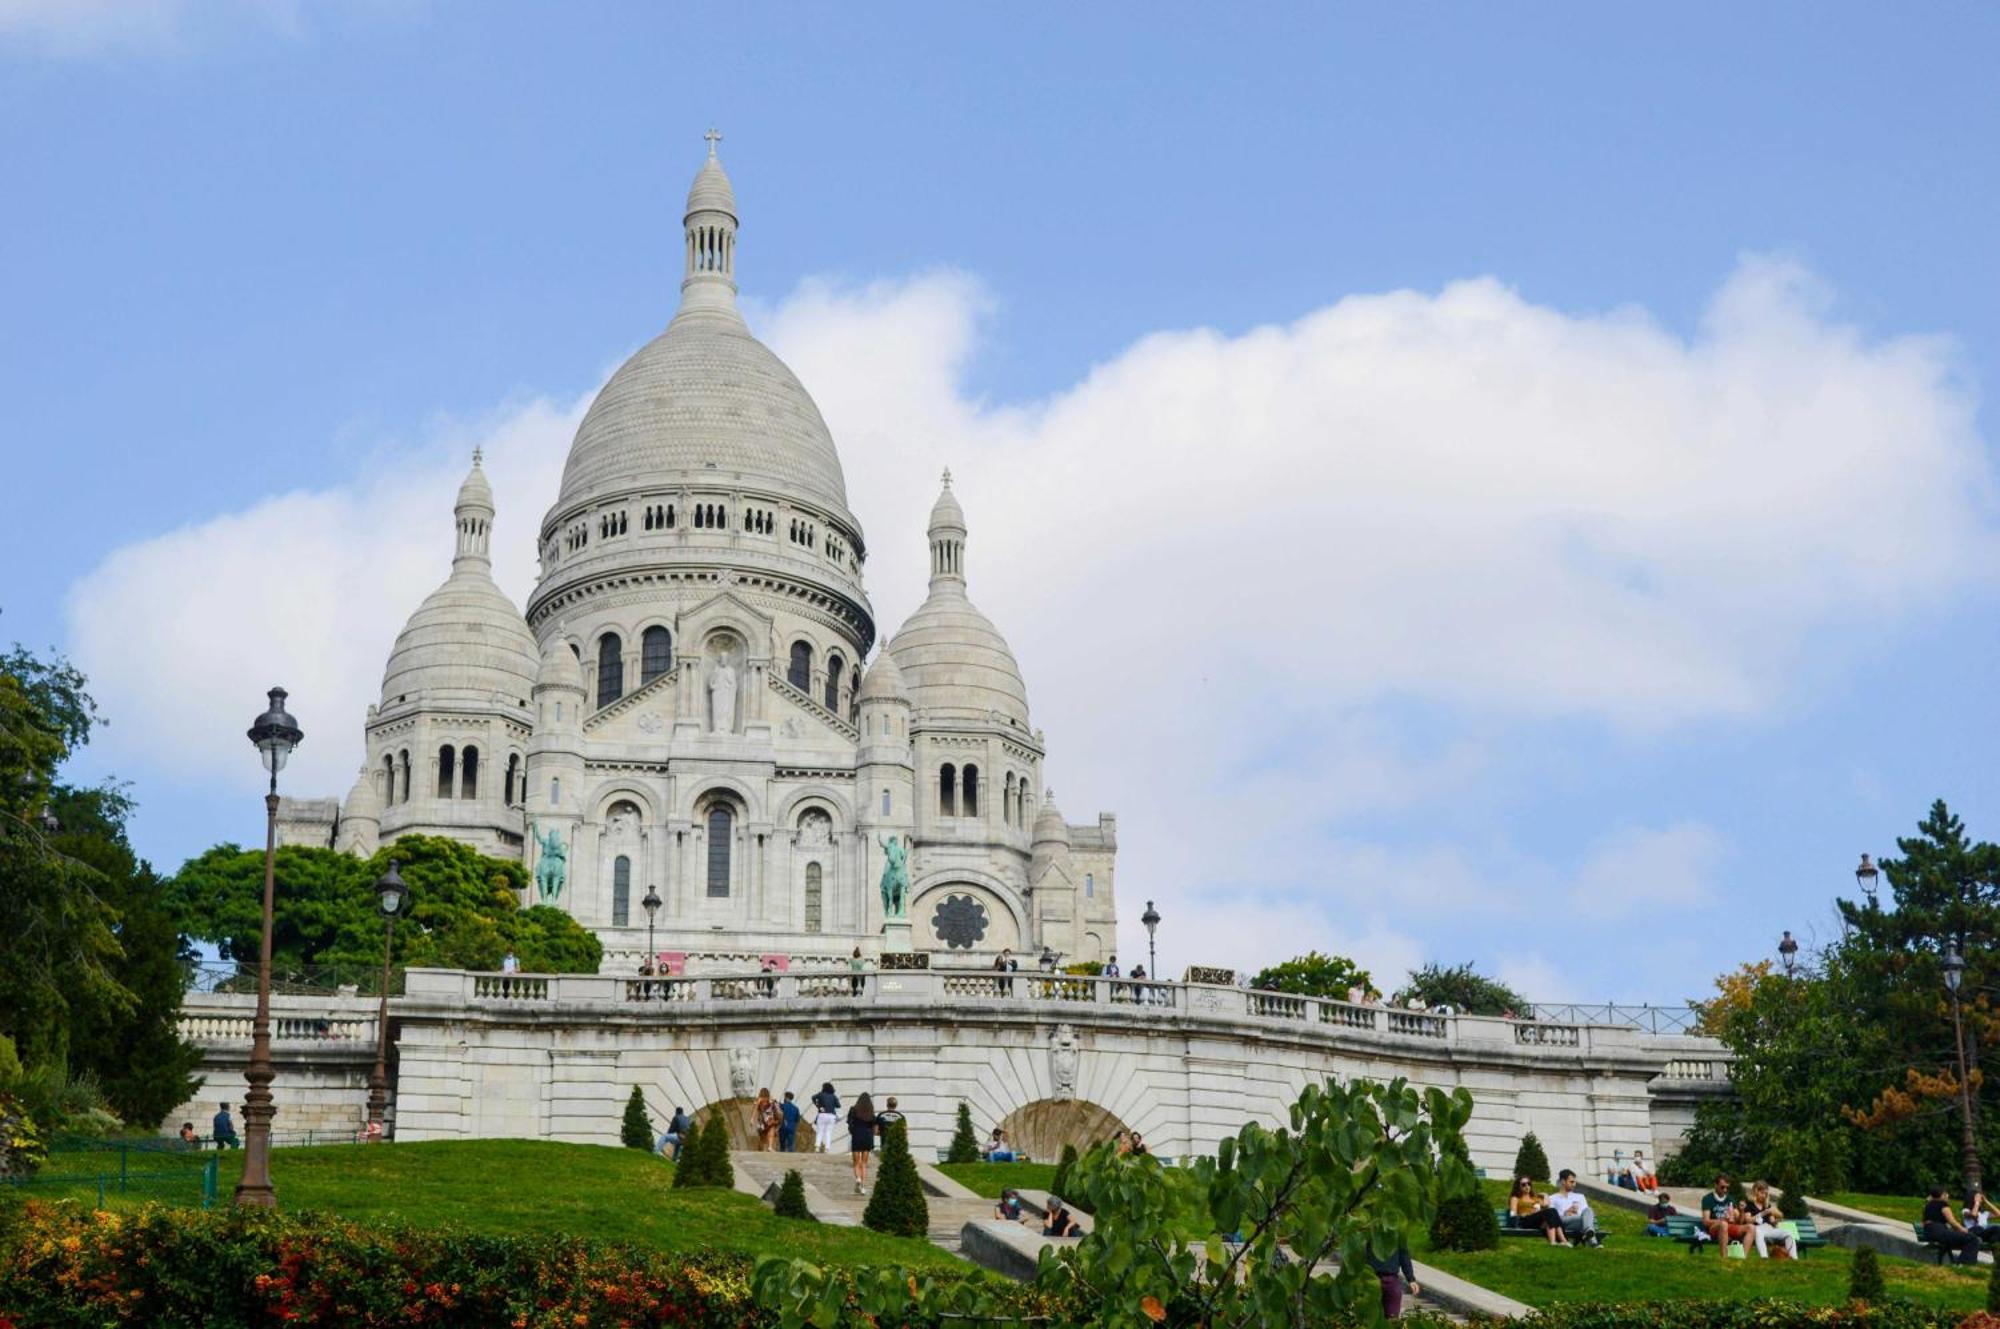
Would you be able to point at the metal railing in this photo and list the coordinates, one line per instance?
(1645, 1018)
(293, 980)
(130, 1170)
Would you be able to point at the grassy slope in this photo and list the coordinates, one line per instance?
(1633, 1267)
(990, 1179)
(581, 1190)
(1904, 1208)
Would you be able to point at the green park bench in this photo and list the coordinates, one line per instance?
(1510, 1226)
(1917, 1231)
(1687, 1230)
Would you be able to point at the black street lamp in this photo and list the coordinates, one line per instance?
(1865, 877)
(1151, 918)
(651, 904)
(392, 897)
(1954, 974)
(1788, 951)
(275, 735)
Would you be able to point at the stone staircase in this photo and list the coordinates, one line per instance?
(829, 1180)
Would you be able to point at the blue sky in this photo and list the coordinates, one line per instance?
(269, 251)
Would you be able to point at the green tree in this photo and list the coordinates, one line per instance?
(636, 1131)
(1864, 1277)
(897, 1206)
(1464, 989)
(1531, 1160)
(1064, 1165)
(1314, 975)
(964, 1146)
(705, 1158)
(465, 910)
(791, 1201)
(91, 961)
(1993, 1289)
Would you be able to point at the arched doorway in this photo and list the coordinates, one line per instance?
(738, 1118)
(1041, 1129)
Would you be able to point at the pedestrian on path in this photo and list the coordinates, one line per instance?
(826, 1115)
(768, 1120)
(788, 1124)
(861, 1124)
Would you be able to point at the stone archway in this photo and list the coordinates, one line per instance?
(1041, 1129)
(738, 1118)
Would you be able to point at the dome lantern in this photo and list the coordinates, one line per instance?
(473, 516)
(947, 536)
(709, 229)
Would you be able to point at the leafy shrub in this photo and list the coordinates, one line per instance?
(1530, 1162)
(1314, 975)
(964, 1144)
(1464, 989)
(637, 1128)
(1993, 1289)
(897, 1206)
(1060, 1186)
(1465, 1220)
(791, 1201)
(1864, 1278)
(234, 1268)
(1755, 1314)
(705, 1157)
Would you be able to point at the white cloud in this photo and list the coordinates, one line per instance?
(97, 27)
(1230, 565)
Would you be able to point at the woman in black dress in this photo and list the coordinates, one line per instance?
(861, 1139)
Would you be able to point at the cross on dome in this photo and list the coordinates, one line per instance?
(714, 136)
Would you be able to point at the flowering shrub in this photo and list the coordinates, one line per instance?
(228, 1268)
(1759, 1314)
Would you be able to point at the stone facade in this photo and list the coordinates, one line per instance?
(684, 709)
(1054, 1059)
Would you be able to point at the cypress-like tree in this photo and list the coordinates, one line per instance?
(791, 1201)
(1531, 1162)
(964, 1144)
(897, 1206)
(687, 1168)
(1864, 1279)
(637, 1130)
(1465, 1221)
(1060, 1186)
(716, 1170)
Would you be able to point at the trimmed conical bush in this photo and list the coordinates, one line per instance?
(1864, 1279)
(1060, 1186)
(637, 1129)
(1465, 1222)
(964, 1144)
(791, 1201)
(1531, 1162)
(897, 1206)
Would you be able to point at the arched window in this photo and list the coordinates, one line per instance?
(971, 790)
(555, 791)
(885, 802)
(812, 897)
(721, 829)
(948, 791)
(445, 767)
(403, 767)
(468, 773)
(610, 669)
(1007, 800)
(835, 666)
(800, 673)
(1090, 885)
(513, 777)
(621, 891)
(656, 654)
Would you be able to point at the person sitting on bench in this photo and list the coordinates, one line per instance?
(1533, 1213)
(1722, 1218)
(1982, 1220)
(1943, 1230)
(1059, 1223)
(1764, 1219)
(1579, 1223)
(1656, 1217)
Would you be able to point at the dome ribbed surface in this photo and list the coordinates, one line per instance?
(946, 515)
(559, 667)
(466, 640)
(476, 492)
(882, 682)
(703, 404)
(362, 800)
(953, 660)
(711, 190)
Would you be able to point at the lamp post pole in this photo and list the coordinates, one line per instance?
(275, 735)
(652, 907)
(1954, 974)
(393, 897)
(1151, 918)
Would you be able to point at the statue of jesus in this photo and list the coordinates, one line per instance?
(722, 698)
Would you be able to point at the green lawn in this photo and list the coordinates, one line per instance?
(581, 1190)
(990, 1179)
(1634, 1267)
(1903, 1208)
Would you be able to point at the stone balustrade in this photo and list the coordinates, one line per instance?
(207, 1028)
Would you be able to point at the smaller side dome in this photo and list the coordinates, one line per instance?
(1050, 828)
(361, 800)
(559, 668)
(882, 682)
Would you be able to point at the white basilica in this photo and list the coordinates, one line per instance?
(683, 709)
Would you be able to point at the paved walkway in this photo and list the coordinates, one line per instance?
(829, 1180)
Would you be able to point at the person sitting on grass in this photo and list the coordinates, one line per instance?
(1534, 1213)
(1722, 1218)
(1943, 1230)
(997, 1149)
(1579, 1224)
(1656, 1217)
(1059, 1223)
(1764, 1219)
(1643, 1178)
